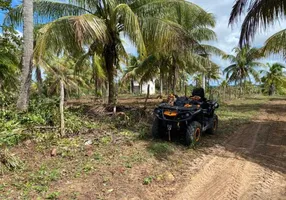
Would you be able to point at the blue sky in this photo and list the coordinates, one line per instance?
(227, 36)
(2, 14)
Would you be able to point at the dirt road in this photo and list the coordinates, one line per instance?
(251, 165)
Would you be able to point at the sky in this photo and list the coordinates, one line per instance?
(228, 37)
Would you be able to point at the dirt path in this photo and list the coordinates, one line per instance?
(251, 165)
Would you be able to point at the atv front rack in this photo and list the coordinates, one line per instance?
(176, 113)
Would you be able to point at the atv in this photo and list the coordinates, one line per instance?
(189, 116)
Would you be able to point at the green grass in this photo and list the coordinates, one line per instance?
(161, 150)
(238, 112)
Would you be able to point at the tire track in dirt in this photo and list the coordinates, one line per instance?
(250, 165)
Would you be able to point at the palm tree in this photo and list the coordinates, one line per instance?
(23, 99)
(99, 23)
(61, 69)
(9, 70)
(260, 13)
(275, 44)
(274, 78)
(243, 65)
(10, 52)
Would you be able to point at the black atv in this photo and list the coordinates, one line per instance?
(189, 116)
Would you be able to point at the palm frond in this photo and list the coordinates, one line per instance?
(261, 13)
(70, 34)
(45, 10)
(124, 14)
(276, 44)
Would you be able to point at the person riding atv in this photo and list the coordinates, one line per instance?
(189, 116)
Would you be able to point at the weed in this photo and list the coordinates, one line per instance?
(40, 188)
(53, 195)
(97, 156)
(87, 167)
(148, 180)
(161, 149)
(10, 161)
(43, 177)
(2, 186)
(106, 140)
(128, 165)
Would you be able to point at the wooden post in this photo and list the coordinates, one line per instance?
(62, 98)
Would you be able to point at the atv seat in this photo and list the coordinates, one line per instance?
(199, 92)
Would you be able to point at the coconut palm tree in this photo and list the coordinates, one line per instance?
(99, 23)
(9, 71)
(274, 77)
(62, 69)
(23, 99)
(260, 14)
(243, 65)
(10, 53)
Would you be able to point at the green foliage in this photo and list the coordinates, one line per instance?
(161, 150)
(53, 195)
(10, 53)
(5, 4)
(243, 65)
(274, 79)
(15, 126)
(9, 162)
(148, 180)
(43, 177)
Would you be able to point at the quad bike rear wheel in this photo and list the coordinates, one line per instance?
(213, 129)
(157, 130)
(193, 133)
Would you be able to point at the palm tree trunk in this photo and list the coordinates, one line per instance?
(62, 98)
(23, 100)
(39, 80)
(161, 82)
(95, 84)
(168, 83)
(147, 96)
(240, 85)
(271, 89)
(204, 81)
(174, 80)
(110, 59)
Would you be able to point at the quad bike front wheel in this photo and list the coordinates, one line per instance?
(157, 131)
(213, 129)
(193, 133)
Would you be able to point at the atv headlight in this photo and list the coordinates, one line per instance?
(157, 112)
(187, 115)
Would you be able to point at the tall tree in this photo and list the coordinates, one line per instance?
(273, 78)
(100, 23)
(243, 65)
(23, 100)
(10, 53)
